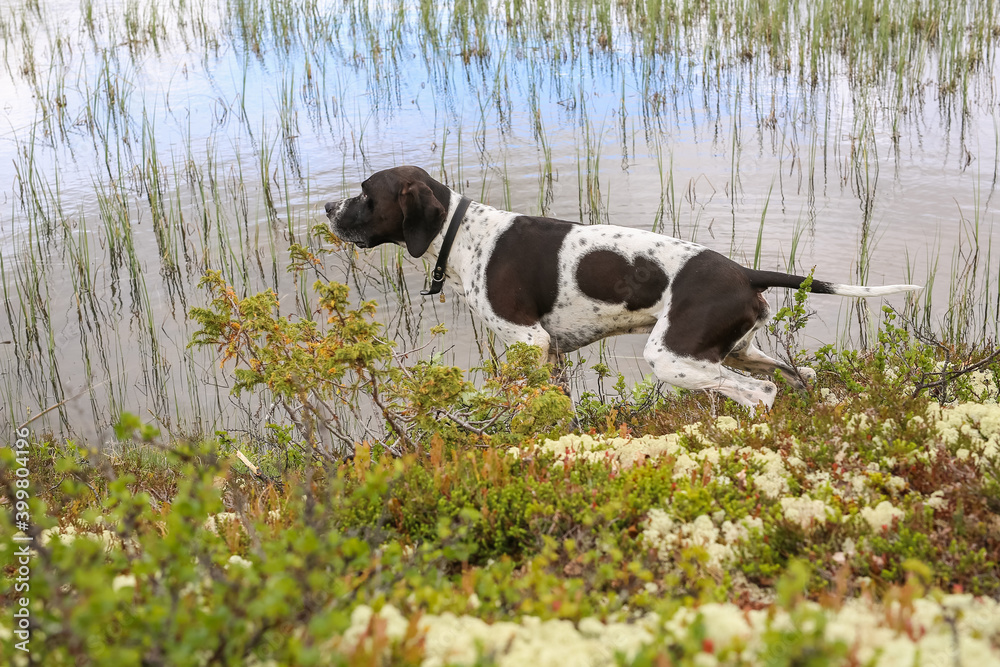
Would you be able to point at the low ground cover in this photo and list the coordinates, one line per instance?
(855, 523)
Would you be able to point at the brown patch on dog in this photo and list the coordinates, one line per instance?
(522, 276)
(713, 305)
(607, 276)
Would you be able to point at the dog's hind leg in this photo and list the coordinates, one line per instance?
(704, 375)
(751, 359)
(746, 356)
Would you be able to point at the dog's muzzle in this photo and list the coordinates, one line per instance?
(344, 229)
(333, 209)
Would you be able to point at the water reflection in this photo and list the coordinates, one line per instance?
(150, 142)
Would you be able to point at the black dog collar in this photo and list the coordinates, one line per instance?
(437, 278)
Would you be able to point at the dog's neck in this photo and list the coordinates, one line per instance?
(434, 249)
(462, 257)
(446, 243)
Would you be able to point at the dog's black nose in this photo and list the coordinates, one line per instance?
(331, 206)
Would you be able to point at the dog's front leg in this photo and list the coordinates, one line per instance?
(530, 335)
(540, 338)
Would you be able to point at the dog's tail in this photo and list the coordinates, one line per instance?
(761, 280)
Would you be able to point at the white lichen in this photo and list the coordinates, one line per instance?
(880, 517)
(805, 511)
(871, 631)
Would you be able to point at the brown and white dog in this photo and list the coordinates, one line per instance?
(562, 285)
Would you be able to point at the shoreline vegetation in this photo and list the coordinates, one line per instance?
(377, 502)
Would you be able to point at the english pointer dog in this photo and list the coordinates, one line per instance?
(562, 285)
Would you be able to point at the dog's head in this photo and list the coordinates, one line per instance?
(402, 205)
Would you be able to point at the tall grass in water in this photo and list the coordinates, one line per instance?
(863, 172)
(973, 312)
(113, 83)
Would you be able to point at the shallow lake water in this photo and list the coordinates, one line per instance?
(143, 143)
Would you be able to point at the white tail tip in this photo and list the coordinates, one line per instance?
(863, 291)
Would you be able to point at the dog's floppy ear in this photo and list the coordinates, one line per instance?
(423, 216)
